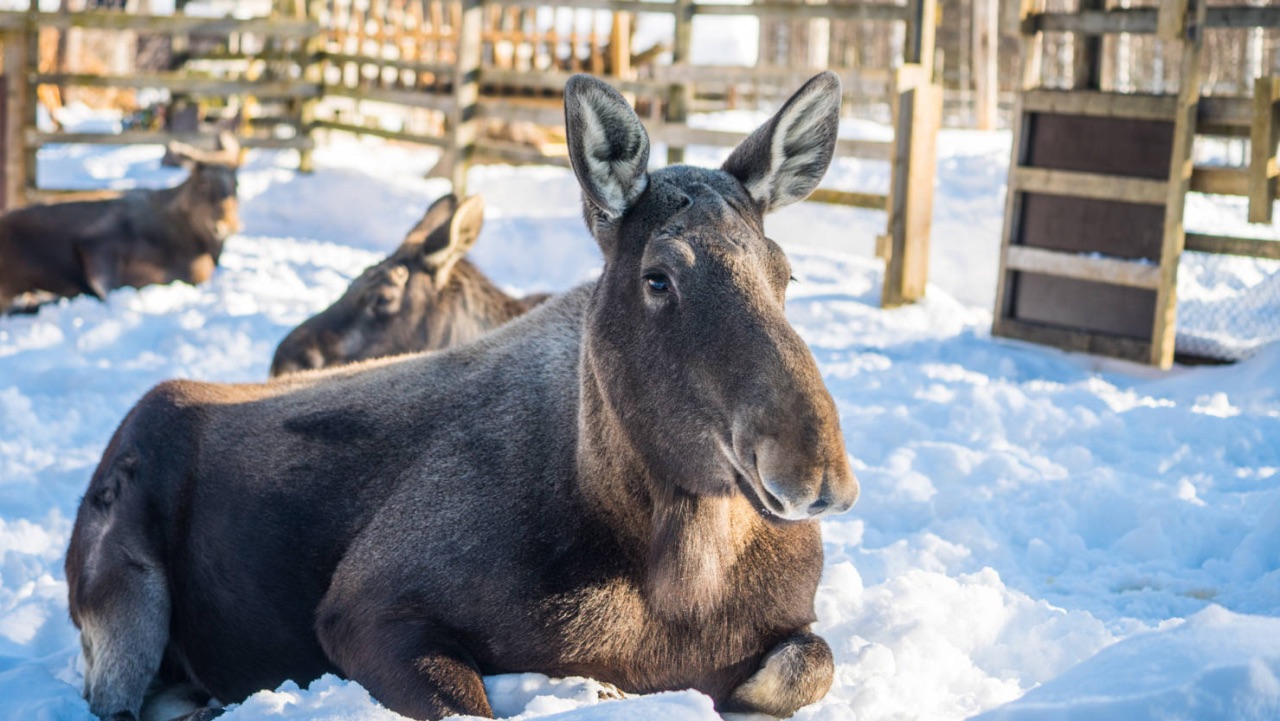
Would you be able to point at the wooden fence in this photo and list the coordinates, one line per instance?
(1098, 182)
(452, 68)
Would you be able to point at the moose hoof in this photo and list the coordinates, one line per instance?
(796, 673)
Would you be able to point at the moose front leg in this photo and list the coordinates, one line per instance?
(411, 667)
(795, 673)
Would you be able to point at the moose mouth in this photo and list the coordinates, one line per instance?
(765, 503)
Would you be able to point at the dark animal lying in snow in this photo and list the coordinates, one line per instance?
(143, 237)
(424, 296)
(622, 484)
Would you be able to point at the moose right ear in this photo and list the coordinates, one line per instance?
(437, 216)
(447, 245)
(608, 147)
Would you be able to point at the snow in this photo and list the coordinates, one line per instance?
(1040, 535)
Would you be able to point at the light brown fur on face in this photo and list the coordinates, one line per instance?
(621, 484)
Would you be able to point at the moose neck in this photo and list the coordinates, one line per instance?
(469, 305)
(688, 544)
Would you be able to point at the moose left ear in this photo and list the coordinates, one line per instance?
(608, 146)
(442, 250)
(784, 159)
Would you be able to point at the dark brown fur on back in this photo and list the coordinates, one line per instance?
(143, 237)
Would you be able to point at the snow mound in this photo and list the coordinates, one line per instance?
(1216, 666)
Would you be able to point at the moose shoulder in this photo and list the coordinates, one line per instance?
(623, 483)
(424, 296)
(141, 238)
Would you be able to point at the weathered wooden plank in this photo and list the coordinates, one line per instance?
(1088, 185)
(986, 80)
(1116, 271)
(529, 110)
(410, 98)
(680, 93)
(186, 84)
(1171, 19)
(782, 76)
(554, 80)
(1218, 115)
(168, 24)
(1227, 245)
(1145, 20)
(918, 118)
(1220, 181)
(1263, 138)
(871, 201)
(835, 11)
(15, 119)
(376, 132)
(1181, 167)
(34, 139)
(1135, 106)
(462, 112)
(1029, 78)
(416, 66)
(496, 150)
(1075, 341)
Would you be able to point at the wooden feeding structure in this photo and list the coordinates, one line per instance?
(1098, 180)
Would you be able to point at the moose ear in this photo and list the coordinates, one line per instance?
(437, 216)
(608, 147)
(228, 152)
(784, 159)
(446, 246)
(178, 153)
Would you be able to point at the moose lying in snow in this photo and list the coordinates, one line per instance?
(140, 238)
(622, 484)
(424, 296)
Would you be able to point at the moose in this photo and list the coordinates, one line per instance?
(624, 483)
(424, 296)
(142, 237)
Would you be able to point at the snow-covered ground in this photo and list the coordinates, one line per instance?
(1040, 535)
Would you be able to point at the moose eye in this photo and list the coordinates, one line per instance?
(657, 283)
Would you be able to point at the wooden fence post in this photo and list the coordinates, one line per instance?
(986, 63)
(466, 93)
(1264, 134)
(17, 78)
(312, 72)
(917, 117)
(1164, 332)
(680, 96)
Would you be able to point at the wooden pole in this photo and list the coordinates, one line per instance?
(680, 95)
(1264, 135)
(917, 118)
(312, 72)
(466, 92)
(1164, 332)
(1030, 78)
(986, 64)
(15, 98)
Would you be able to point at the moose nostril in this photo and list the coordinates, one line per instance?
(819, 506)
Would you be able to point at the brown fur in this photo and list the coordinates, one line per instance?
(141, 238)
(424, 296)
(622, 484)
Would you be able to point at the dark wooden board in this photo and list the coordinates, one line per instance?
(1110, 146)
(1084, 225)
(1083, 305)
